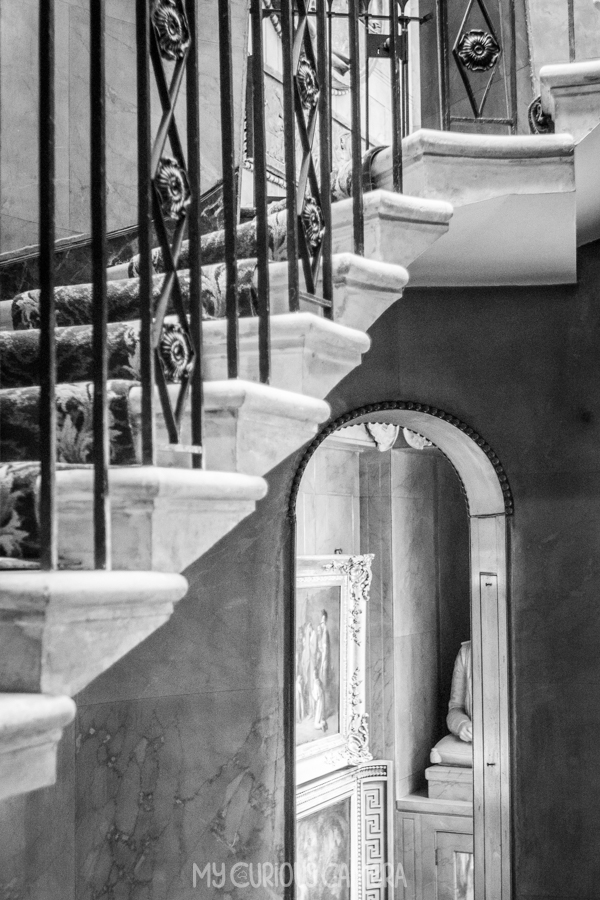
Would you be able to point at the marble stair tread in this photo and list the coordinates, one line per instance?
(248, 427)
(309, 354)
(397, 228)
(468, 168)
(570, 94)
(363, 289)
(162, 518)
(407, 224)
(515, 208)
(31, 725)
(59, 630)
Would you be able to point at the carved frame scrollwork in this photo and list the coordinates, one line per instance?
(349, 744)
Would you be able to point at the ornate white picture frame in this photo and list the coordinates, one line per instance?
(332, 732)
(344, 835)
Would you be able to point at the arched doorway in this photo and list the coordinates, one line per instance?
(489, 502)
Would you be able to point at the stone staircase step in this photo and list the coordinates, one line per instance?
(398, 228)
(468, 168)
(362, 289)
(162, 518)
(570, 94)
(249, 427)
(31, 725)
(514, 206)
(310, 354)
(60, 630)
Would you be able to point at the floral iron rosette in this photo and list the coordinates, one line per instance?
(171, 28)
(173, 188)
(478, 50)
(313, 222)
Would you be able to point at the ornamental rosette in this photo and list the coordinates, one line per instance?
(313, 222)
(478, 50)
(175, 352)
(308, 84)
(173, 188)
(171, 28)
(539, 121)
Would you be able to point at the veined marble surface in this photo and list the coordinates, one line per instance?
(159, 789)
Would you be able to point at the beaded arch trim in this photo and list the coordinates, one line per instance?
(391, 405)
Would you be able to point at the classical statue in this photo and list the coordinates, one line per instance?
(460, 707)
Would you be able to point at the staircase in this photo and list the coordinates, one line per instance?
(61, 629)
(477, 210)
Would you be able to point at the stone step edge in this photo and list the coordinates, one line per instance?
(71, 595)
(31, 725)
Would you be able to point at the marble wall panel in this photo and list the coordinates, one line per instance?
(376, 538)
(587, 30)
(121, 142)
(336, 471)
(548, 34)
(415, 566)
(328, 509)
(18, 112)
(210, 117)
(37, 836)
(337, 523)
(453, 552)
(413, 474)
(416, 679)
(306, 524)
(159, 789)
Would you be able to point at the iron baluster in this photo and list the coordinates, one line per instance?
(357, 197)
(323, 61)
(145, 229)
(289, 129)
(260, 191)
(101, 452)
(229, 189)
(397, 101)
(194, 237)
(48, 516)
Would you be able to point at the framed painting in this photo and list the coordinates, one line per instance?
(344, 835)
(332, 593)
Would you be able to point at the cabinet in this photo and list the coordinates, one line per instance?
(434, 844)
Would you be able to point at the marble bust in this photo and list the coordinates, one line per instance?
(460, 707)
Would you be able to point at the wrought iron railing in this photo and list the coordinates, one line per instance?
(325, 91)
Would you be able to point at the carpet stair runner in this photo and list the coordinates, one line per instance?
(20, 374)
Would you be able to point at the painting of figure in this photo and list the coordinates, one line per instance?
(318, 611)
(323, 854)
